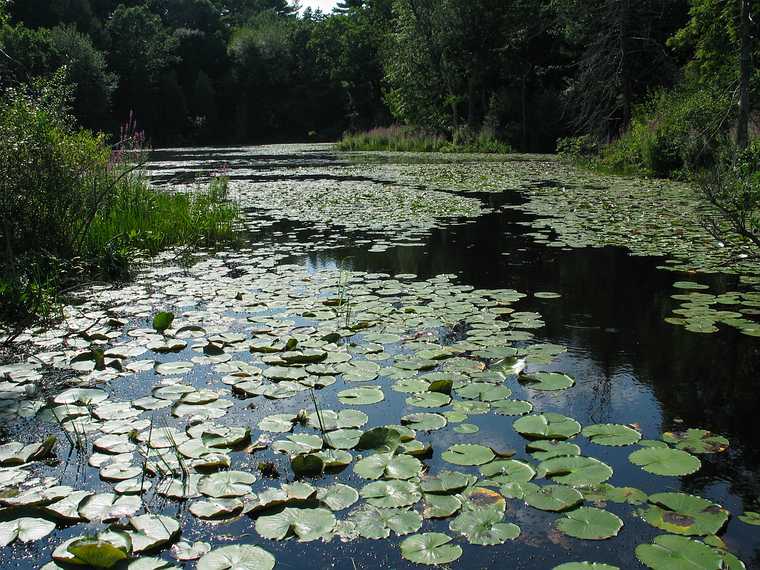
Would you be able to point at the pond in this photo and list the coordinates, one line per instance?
(456, 378)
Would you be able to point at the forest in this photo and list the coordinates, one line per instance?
(525, 72)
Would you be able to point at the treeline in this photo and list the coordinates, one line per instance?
(203, 70)
(525, 71)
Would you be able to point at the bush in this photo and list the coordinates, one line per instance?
(673, 133)
(732, 186)
(70, 206)
(414, 139)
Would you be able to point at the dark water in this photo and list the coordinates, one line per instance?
(630, 367)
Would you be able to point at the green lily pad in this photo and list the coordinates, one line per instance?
(666, 462)
(508, 470)
(338, 497)
(547, 426)
(376, 524)
(547, 381)
(447, 482)
(306, 524)
(696, 441)
(512, 407)
(163, 321)
(388, 466)
(424, 421)
(589, 523)
(391, 494)
(362, 396)
(383, 439)
(750, 517)
(432, 549)
(468, 454)
(484, 527)
(226, 484)
(680, 513)
(613, 435)
(575, 471)
(555, 498)
(307, 465)
(608, 493)
(440, 506)
(25, 529)
(543, 449)
(429, 400)
(669, 552)
(237, 557)
(97, 553)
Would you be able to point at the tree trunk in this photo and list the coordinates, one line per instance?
(745, 70)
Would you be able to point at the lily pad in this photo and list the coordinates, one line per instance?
(306, 524)
(680, 513)
(338, 496)
(388, 466)
(468, 454)
(751, 518)
(377, 524)
(547, 381)
(555, 498)
(665, 461)
(508, 470)
(578, 471)
(484, 527)
(424, 421)
(237, 557)
(226, 484)
(613, 435)
(431, 549)
(589, 523)
(669, 552)
(362, 396)
(25, 529)
(696, 441)
(547, 426)
(391, 494)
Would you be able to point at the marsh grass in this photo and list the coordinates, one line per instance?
(399, 138)
(148, 220)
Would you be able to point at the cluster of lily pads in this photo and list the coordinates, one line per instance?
(201, 385)
(699, 310)
(275, 333)
(648, 217)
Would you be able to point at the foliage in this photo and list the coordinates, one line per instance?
(95, 210)
(412, 139)
(674, 132)
(733, 188)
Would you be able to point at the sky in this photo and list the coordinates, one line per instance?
(324, 5)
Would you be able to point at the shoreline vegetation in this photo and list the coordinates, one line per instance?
(400, 138)
(76, 210)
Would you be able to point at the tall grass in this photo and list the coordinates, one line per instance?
(73, 208)
(150, 221)
(400, 138)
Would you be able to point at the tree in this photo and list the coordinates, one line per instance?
(720, 44)
(623, 55)
(745, 73)
(87, 70)
(142, 52)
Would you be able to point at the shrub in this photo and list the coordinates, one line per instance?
(70, 206)
(732, 186)
(674, 132)
(414, 139)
